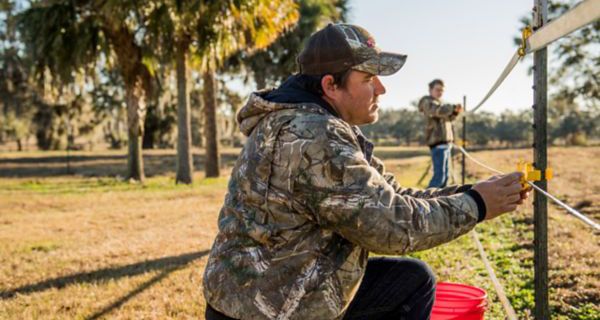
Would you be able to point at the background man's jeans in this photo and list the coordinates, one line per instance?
(392, 288)
(440, 156)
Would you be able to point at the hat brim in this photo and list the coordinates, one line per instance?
(385, 64)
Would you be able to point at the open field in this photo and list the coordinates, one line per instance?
(90, 245)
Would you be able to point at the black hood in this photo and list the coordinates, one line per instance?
(296, 90)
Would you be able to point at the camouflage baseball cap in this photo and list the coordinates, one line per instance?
(339, 47)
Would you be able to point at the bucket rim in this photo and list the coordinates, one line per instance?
(466, 286)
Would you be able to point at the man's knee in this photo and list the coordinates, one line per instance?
(423, 272)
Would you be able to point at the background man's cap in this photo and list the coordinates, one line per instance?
(339, 47)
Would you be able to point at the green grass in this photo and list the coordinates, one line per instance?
(459, 261)
(41, 246)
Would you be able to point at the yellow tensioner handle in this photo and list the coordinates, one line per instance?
(530, 173)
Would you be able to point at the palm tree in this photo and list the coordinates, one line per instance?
(171, 24)
(278, 60)
(209, 32)
(246, 26)
(66, 37)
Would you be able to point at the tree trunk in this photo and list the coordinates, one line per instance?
(211, 165)
(184, 122)
(260, 79)
(136, 110)
(150, 128)
(139, 89)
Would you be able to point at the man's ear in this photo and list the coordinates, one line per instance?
(328, 86)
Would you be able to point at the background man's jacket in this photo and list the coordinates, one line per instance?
(438, 122)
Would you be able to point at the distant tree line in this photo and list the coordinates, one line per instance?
(568, 124)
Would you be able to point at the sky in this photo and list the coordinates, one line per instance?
(466, 43)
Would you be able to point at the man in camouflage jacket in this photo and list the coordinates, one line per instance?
(307, 201)
(439, 133)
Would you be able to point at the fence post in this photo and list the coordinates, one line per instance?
(540, 203)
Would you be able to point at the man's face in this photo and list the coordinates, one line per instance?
(437, 91)
(357, 102)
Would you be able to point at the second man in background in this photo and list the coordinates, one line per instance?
(438, 131)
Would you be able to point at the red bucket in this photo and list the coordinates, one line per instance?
(458, 301)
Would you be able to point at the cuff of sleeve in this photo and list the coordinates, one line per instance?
(480, 203)
(464, 188)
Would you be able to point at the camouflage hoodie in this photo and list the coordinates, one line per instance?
(306, 204)
(439, 117)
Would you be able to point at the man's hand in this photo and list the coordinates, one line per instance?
(501, 194)
(524, 194)
(458, 108)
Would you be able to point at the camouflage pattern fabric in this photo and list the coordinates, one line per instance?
(438, 122)
(303, 210)
(364, 49)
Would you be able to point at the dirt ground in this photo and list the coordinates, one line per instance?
(90, 245)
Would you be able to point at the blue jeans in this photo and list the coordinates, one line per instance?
(440, 156)
(392, 288)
